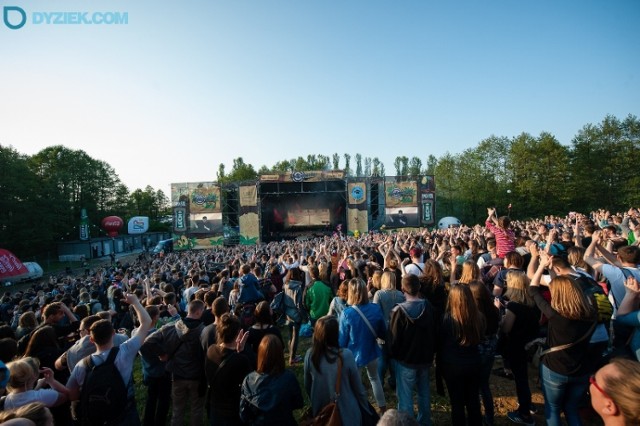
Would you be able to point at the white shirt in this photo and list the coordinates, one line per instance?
(123, 362)
(46, 396)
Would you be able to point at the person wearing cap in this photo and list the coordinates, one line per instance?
(414, 264)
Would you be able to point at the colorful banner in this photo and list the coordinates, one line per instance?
(357, 193)
(400, 194)
(202, 197)
(10, 266)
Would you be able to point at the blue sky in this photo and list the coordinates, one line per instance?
(185, 86)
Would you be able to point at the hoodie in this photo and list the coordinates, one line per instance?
(412, 330)
(270, 399)
(249, 289)
(181, 341)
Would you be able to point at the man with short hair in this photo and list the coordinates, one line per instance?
(317, 296)
(627, 258)
(179, 345)
(102, 335)
(412, 347)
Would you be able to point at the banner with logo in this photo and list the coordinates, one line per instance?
(10, 266)
(138, 225)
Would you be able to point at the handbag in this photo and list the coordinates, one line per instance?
(380, 341)
(329, 415)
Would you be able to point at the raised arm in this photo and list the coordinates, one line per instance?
(631, 301)
(141, 312)
(589, 255)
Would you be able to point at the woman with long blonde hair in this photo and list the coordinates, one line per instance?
(387, 297)
(564, 369)
(470, 272)
(462, 331)
(519, 326)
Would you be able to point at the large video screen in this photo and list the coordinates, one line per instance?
(307, 217)
(290, 212)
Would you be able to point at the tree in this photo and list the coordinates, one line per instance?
(336, 161)
(347, 164)
(359, 165)
(221, 176)
(367, 166)
(240, 171)
(415, 167)
(25, 216)
(376, 167)
(397, 163)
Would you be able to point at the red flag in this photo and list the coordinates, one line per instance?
(10, 265)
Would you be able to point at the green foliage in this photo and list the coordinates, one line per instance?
(536, 175)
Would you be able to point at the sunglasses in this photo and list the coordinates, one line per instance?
(592, 380)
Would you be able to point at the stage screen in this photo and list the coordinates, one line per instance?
(288, 213)
(307, 217)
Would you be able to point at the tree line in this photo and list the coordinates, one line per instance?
(41, 195)
(526, 176)
(41, 198)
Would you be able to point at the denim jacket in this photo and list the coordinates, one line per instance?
(356, 336)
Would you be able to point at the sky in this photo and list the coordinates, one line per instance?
(185, 86)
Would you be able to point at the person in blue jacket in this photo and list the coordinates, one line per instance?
(362, 330)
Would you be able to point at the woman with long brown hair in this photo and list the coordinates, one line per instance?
(488, 345)
(271, 393)
(564, 369)
(463, 328)
(321, 364)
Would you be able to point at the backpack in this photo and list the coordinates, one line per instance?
(590, 287)
(277, 304)
(103, 398)
(246, 316)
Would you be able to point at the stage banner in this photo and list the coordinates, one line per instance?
(427, 201)
(306, 176)
(248, 196)
(401, 204)
(357, 193)
(249, 219)
(400, 194)
(357, 221)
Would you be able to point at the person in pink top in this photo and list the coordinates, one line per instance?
(499, 226)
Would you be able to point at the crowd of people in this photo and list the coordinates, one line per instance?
(217, 329)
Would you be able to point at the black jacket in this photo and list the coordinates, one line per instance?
(181, 341)
(412, 330)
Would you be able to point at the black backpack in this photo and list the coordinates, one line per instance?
(103, 398)
(590, 287)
